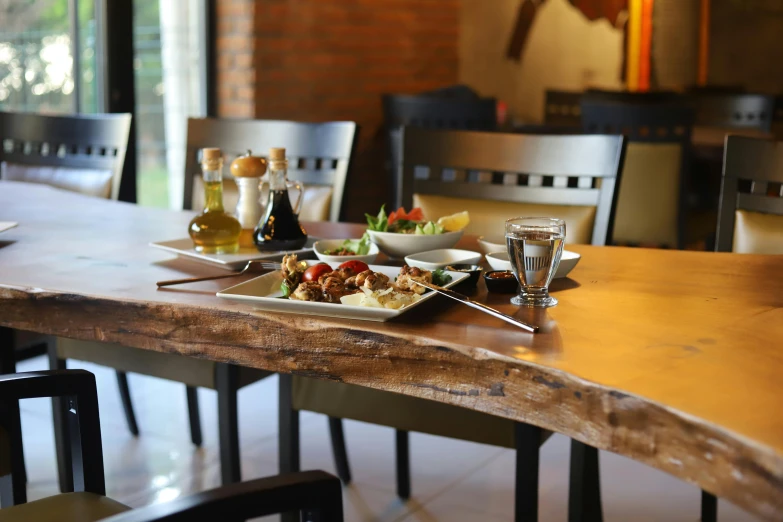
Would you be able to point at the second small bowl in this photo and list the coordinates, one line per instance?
(435, 259)
(499, 261)
(323, 245)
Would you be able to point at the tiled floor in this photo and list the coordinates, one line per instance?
(451, 480)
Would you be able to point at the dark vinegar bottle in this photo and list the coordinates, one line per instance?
(279, 227)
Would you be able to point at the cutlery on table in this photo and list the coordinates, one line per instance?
(479, 306)
(251, 266)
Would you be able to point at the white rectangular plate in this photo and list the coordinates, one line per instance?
(5, 225)
(237, 261)
(264, 293)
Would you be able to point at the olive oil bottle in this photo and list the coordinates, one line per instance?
(214, 231)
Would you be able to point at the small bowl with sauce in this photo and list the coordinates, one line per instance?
(473, 271)
(501, 281)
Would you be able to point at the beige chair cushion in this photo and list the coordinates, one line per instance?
(90, 182)
(66, 507)
(647, 204)
(179, 368)
(487, 218)
(757, 233)
(401, 412)
(5, 453)
(315, 206)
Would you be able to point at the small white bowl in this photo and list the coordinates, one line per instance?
(322, 245)
(489, 244)
(499, 261)
(400, 245)
(435, 259)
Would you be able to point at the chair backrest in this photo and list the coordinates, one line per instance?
(318, 153)
(750, 214)
(430, 112)
(736, 111)
(562, 108)
(82, 153)
(651, 207)
(515, 168)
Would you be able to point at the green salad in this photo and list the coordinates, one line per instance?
(403, 223)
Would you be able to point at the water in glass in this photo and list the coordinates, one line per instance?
(534, 249)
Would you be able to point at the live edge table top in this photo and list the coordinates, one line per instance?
(672, 358)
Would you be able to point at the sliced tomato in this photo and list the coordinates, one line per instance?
(316, 271)
(355, 265)
(414, 215)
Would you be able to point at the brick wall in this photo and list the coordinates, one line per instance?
(321, 60)
(236, 46)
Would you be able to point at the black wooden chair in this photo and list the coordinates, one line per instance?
(310, 492)
(734, 111)
(750, 218)
(431, 112)
(83, 154)
(583, 171)
(319, 154)
(652, 202)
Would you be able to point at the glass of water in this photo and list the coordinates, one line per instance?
(535, 245)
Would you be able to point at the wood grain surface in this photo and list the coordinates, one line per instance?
(671, 358)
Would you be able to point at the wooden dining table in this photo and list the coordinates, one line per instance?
(671, 358)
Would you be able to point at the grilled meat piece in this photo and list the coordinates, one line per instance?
(291, 270)
(308, 291)
(368, 279)
(408, 274)
(341, 273)
(333, 289)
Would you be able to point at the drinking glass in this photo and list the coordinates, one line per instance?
(535, 245)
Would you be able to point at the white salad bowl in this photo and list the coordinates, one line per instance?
(435, 259)
(322, 245)
(398, 246)
(499, 261)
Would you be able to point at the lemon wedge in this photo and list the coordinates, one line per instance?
(455, 222)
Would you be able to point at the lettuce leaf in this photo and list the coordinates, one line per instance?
(360, 247)
(379, 223)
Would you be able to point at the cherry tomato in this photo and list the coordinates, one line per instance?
(357, 266)
(316, 271)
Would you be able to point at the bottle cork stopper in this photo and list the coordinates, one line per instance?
(277, 153)
(211, 154)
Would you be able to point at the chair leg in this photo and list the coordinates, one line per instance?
(127, 404)
(62, 433)
(339, 450)
(13, 487)
(403, 464)
(288, 435)
(527, 440)
(584, 489)
(227, 381)
(709, 507)
(194, 415)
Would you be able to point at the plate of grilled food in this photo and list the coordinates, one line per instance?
(352, 290)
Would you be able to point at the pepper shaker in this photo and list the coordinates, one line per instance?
(247, 171)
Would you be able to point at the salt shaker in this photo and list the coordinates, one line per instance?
(247, 171)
